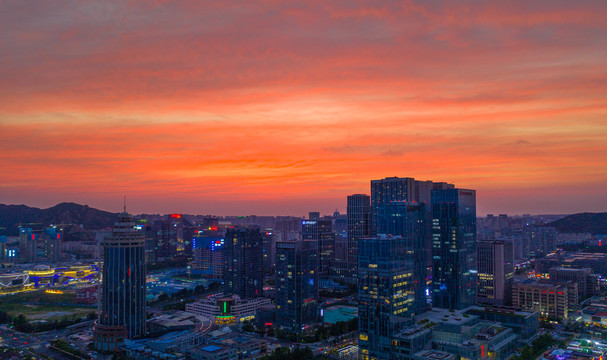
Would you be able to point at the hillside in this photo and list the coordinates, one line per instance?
(65, 213)
(594, 223)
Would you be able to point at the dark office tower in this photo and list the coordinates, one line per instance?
(269, 252)
(243, 253)
(28, 244)
(122, 310)
(321, 231)
(453, 248)
(407, 219)
(166, 239)
(495, 272)
(314, 215)
(359, 226)
(539, 240)
(385, 293)
(296, 285)
(188, 238)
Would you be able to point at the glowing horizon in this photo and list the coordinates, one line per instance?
(269, 109)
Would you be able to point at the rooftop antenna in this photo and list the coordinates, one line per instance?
(124, 203)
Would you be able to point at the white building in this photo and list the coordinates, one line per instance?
(224, 310)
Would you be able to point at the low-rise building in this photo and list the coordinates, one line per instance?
(410, 340)
(432, 355)
(550, 299)
(87, 295)
(467, 336)
(246, 346)
(226, 310)
(213, 352)
(524, 323)
(588, 283)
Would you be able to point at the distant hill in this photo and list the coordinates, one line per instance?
(65, 213)
(594, 223)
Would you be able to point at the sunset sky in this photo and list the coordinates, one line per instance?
(280, 108)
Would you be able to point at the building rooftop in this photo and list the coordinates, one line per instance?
(438, 316)
(211, 348)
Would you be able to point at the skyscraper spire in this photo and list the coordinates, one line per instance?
(124, 203)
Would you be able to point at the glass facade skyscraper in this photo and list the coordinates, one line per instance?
(391, 189)
(453, 248)
(122, 312)
(296, 284)
(359, 226)
(321, 231)
(385, 292)
(408, 220)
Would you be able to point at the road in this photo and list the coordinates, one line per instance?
(32, 343)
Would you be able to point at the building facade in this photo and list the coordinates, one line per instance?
(207, 248)
(219, 309)
(408, 220)
(550, 300)
(386, 293)
(296, 285)
(453, 248)
(321, 231)
(243, 253)
(588, 283)
(495, 272)
(359, 226)
(122, 312)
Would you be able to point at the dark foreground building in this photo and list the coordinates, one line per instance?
(296, 284)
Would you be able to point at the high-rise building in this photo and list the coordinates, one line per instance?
(288, 228)
(314, 215)
(495, 272)
(243, 253)
(408, 220)
(389, 189)
(406, 189)
(207, 247)
(3, 249)
(321, 231)
(166, 239)
(122, 312)
(296, 284)
(52, 243)
(359, 226)
(453, 248)
(28, 244)
(385, 292)
(269, 251)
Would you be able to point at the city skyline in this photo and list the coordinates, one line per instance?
(270, 109)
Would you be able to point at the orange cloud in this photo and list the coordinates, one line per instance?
(273, 108)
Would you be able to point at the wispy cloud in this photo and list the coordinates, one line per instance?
(277, 104)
